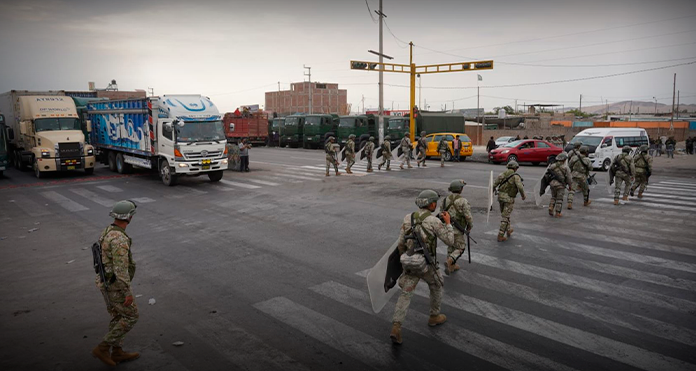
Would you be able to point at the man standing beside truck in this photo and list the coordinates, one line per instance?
(244, 155)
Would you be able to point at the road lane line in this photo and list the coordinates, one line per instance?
(263, 182)
(93, 197)
(678, 184)
(109, 188)
(462, 339)
(650, 204)
(280, 179)
(63, 201)
(673, 190)
(240, 185)
(660, 195)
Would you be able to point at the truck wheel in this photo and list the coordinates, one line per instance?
(168, 178)
(37, 171)
(19, 164)
(121, 166)
(215, 176)
(89, 171)
(606, 164)
(111, 156)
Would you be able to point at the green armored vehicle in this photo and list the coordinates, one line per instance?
(317, 128)
(363, 127)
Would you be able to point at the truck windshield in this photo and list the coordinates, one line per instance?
(2, 139)
(313, 121)
(196, 131)
(586, 140)
(347, 123)
(396, 123)
(51, 124)
(292, 121)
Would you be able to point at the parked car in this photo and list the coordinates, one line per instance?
(526, 150)
(433, 139)
(503, 140)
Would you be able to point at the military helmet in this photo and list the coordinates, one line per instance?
(644, 148)
(626, 149)
(332, 138)
(123, 210)
(513, 165)
(577, 145)
(372, 139)
(562, 156)
(426, 197)
(407, 135)
(423, 133)
(387, 137)
(584, 150)
(456, 185)
(352, 136)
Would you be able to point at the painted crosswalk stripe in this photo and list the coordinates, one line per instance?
(467, 341)
(650, 213)
(93, 197)
(673, 190)
(63, 201)
(281, 179)
(109, 188)
(660, 195)
(263, 182)
(678, 184)
(30, 207)
(675, 202)
(142, 200)
(240, 185)
(335, 334)
(647, 223)
(655, 205)
(300, 177)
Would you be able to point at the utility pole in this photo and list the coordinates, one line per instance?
(478, 97)
(420, 91)
(381, 75)
(674, 88)
(363, 103)
(630, 109)
(581, 104)
(655, 99)
(309, 75)
(677, 104)
(516, 106)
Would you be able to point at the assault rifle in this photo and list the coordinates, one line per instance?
(99, 266)
(426, 254)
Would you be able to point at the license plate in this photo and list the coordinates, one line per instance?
(71, 167)
(206, 167)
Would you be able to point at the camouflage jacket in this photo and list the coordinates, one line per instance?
(330, 151)
(625, 162)
(571, 155)
(386, 150)
(369, 147)
(350, 148)
(119, 265)
(421, 143)
(561, 172)
(405, 144)
(459, 210)
(580, 166)
(508, 191)
(643, 163)
(442, 146)
(431, 229)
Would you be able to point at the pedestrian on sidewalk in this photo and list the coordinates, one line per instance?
(491, 145)
(456, 147)
(244, 155)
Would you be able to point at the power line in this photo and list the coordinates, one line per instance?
(370, 11)
(241, 91)
(396, 38)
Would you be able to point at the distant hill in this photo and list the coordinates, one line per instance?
(637, 108)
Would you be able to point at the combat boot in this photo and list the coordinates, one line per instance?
(616, 202)
(410, 167)
(509, 231)
(388, 168)
(551, 210)
(442, 165)
(632, 191)
(640, 194)
(369, 170)
(396, 333)
(587, 203)
(102, 352)
(348, 171)
(559, 215)
(424, 165)
(337, 173)
(118, 355)
(502, 238)
(401, 166)
(452, 266)
(379, 167)
(437, 320)
(570, 206)
(327, 173)
(625, 198)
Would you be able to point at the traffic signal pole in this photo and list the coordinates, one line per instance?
(411, 117)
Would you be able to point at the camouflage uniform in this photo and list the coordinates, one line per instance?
(626, 170)
(442, 148)
(460, 211)
(350, 154)
(330, 157)
(406, 150)
(119, 270)
(368, 149)
(431, 229)
(506, 197)
(580, 167)
(643, 164)
(558, 186)
(422, 146)
(386, 155)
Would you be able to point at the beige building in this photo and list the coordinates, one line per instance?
(325, 98)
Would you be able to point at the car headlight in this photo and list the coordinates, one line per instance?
(90, 152)
(505, 151)
(224, 161)
(45, 153)
(183, 165)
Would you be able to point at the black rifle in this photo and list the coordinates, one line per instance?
(99, 266)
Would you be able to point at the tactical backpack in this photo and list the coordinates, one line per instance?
(413, 259)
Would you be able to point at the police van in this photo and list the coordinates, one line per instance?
(606, 143)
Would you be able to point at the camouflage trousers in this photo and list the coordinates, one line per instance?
(442, 158)
(369, 162)
(350, 161)
(408, 282)
(406, 159)
(641, 182)
(123, 318)
(618, 181)
(505, 212)
(420, 157)
(331, 161)
(579, 184)
(557, 196)
(459, 245)
(385, 160)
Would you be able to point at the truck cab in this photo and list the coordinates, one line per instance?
(276, 129)
(3, 145)
(363, 127)
(319, 127)
(294, 131)
(396, 128)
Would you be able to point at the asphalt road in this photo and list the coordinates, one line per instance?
(266, 271)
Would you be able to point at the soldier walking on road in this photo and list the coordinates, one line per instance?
(643, 164)
(508, 184)
(421, 148)
(574, 152)
(369, 148)
(561, 181)
(460, 212)
(580, 167)
(331, 156)
(119, 269)
(350, 153)
(406, 150)
(429, 228)
(442, 148)
(624, 171)
(386, 153)
(670, 144)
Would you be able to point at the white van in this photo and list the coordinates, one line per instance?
(606, 143)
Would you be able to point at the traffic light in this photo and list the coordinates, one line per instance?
(358, 66)
(482, 65)
(373, 66)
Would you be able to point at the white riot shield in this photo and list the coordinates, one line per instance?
(610, 187)
(340, 155)
(395, 154)
(376, 281)
(490, 197)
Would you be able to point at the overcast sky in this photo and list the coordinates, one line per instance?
(235, 50)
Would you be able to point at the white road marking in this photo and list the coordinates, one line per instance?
(673, 190)
(240, 185)
(299, 177)
(650, 204)
(93, 197)
(678, 184)
(142, 200)
(63, 201)
(30, 207)
(263, 182)
(109, 188)
(660, 195)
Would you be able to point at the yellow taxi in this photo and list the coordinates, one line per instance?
(432, 140)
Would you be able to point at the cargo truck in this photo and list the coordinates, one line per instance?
(317, 128)
(44, 132)
(430, 122)
(176, 135)
(363, 127)
(253, 126)
(3, 145)
(294, 131)
(276, 127)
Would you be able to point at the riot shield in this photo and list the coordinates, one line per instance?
(490, 197)
(382, 278)
(362, 153)
(379, 152)
(395, 150)
(610, 181)
(539, 189)
(591, 181)
(343, 154)
(399, 152)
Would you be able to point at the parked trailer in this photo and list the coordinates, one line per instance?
(174, 134)
(254, 127)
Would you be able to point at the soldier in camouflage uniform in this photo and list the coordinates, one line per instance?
(561, 181)
(386, 153)
(369, 148)
(430, 228)
(508, 184)
(406, 150)
(442, 149)
(460, 212)
(119, 269)
(331, 156)
(574, 152)
(421, 147)
(350, 153)
(643, 164)
(624, 172)
(580, 167)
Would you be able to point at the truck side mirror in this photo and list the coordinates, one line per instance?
(232, 126)
(23, 127)
(167, 126)
(89, 125)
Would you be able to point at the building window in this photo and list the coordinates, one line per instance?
(321, 86)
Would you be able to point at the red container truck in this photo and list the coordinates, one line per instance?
(253, 126)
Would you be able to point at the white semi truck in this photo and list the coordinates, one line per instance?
(176, 135)
(44, 132)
